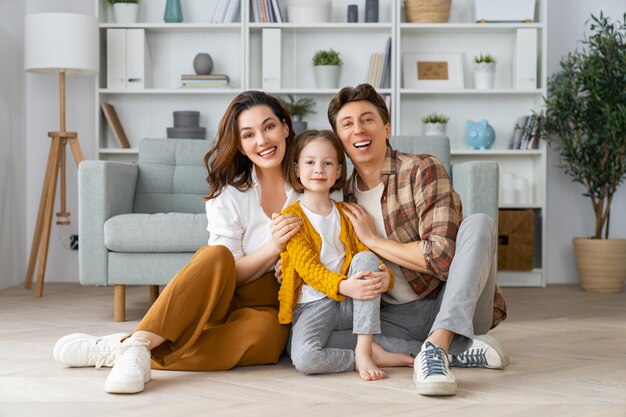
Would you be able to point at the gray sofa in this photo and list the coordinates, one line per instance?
(140, 223)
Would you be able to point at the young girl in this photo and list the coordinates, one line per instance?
(324, 263)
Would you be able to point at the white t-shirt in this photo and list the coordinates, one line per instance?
(333, 252)
(237, 220)
(370, 201)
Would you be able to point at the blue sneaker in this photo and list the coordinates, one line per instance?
(431, 372)
(485, 352)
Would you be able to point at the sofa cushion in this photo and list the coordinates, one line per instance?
(161, 232)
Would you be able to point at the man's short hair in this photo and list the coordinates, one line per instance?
(362, 92)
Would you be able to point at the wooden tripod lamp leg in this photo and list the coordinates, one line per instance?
(34, 250)
(47, 220)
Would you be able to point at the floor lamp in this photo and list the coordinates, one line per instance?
(63, 44)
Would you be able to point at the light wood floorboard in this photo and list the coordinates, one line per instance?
(567, 351)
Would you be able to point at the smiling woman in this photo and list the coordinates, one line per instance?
(220, 310)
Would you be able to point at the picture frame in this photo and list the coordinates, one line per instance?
(433, 70)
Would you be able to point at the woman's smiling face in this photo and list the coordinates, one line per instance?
(262, 137)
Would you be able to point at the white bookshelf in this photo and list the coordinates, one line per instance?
(236, 51)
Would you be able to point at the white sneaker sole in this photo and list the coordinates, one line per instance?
(493, 342)
(62, 341)
(126, 385)
(435, 388)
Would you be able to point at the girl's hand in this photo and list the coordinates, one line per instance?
(282, 228)
(362, 222)
(362, 286)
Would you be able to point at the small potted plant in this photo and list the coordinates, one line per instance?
(298, 108)
(435, 124)
(125, 11)
(327, 65)
(484, 71)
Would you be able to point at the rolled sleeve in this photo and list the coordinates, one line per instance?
(224, 224)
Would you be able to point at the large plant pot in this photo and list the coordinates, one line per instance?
(299, 126)
(126, 13)
(601, 264)
(327, 76)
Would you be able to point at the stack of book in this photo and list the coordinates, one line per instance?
(526, 134)
(379, 75)
(204, 81)
(266, 11)
(226, 11)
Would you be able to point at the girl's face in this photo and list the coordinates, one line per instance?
(262, 137)
(318, 167)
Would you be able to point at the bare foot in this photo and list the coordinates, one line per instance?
(383, 358)
(365, 366)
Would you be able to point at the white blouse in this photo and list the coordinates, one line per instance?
(237, 220)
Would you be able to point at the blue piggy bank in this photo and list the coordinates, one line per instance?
(479, 135)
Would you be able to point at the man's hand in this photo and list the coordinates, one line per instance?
(362, 222)
(362, 286)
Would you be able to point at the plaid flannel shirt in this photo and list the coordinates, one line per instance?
(420, 205)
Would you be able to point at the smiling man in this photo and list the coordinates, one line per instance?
(445, 291)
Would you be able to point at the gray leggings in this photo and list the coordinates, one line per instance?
(314, 322)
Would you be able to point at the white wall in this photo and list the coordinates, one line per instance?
(12, 142)
(42, 116)
(569, 213)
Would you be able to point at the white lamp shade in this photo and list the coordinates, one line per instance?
(57, 42)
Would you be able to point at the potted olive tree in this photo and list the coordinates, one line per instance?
(298, 108)
(585, 119)
(327, 65)
(125, 11)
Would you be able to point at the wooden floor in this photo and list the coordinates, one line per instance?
(567, 351)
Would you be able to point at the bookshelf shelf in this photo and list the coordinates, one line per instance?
(236, 49)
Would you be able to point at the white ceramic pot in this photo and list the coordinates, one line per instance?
(307, 11)
(435, 129)
(126, 12)
(327, 76)
(485, 75)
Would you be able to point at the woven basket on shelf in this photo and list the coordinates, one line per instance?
(427, 11)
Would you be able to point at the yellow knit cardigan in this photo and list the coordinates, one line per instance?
(301, 262)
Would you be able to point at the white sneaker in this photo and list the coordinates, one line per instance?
(431, 372)
(79, 350)
(131, 370)
(485, 352)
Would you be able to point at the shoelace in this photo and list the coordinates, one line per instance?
(105, 355)
(434, 361)
(470, 358)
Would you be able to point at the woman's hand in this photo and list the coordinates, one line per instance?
(282, 228)
(278, 271)
(362, 222)
(362, 285)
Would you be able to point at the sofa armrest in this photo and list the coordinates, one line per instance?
(477, 183)
(105, 189)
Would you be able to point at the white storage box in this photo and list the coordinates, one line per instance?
(504, 10)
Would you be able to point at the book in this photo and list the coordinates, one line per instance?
(220, 12)
(114, 123)
(386, 75)
(231, 12)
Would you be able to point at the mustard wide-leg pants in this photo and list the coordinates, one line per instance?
(209, 323)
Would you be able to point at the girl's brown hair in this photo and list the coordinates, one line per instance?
(295, 149)
(224, 162)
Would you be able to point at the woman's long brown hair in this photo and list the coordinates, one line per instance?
(225, 163)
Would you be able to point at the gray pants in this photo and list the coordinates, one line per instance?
(464, 306)
(314, 322)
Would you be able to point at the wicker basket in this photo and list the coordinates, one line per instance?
(427, 11)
